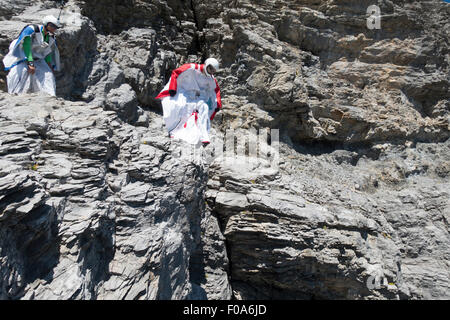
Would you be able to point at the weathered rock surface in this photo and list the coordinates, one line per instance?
(314, 229)
(96, 203)
(93, 208)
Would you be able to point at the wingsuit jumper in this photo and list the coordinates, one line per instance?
(32, 59)
(190, 101)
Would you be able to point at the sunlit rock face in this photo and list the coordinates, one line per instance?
(97, 203)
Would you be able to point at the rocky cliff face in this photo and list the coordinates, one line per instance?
(96, 203)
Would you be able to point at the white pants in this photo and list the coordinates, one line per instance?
(20, 81)
(187, 118)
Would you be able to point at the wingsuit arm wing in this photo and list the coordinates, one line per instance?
(172, 87)
(218, 99)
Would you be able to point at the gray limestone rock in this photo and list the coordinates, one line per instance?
(123, 101)
(99, 224)
(96, 202)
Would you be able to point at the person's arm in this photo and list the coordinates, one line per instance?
(49, 61)
(27, 48)
(173, 86)
(218, 99)
(29, 54)
(48, 58)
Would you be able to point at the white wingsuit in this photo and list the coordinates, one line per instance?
(188, 113)
(18, 79)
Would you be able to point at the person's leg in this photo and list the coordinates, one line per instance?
(203, 122)
(188, 129)
(44, 78)
(170, 113)
(18, 79)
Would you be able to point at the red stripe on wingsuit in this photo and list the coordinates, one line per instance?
(217, 90)
(163, 94)
(196, 118)
(219, 100)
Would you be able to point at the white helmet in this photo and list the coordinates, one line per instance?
(213, 63)
(51, 19)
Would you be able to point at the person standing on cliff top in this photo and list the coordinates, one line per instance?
(190, 100)
(32, 59)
